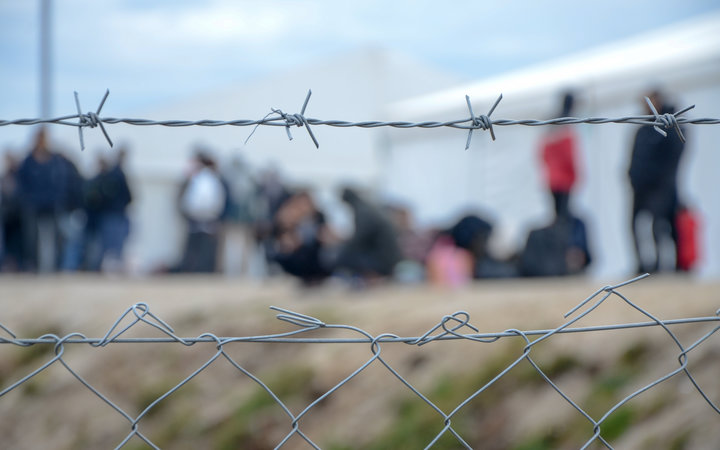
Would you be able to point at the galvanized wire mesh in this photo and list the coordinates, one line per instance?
(279, 118)
(451, 328)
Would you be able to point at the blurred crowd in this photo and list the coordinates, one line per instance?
(54, 219)
(235, 217)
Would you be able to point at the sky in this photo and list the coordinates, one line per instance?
(148, 53)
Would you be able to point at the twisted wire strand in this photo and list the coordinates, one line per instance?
(414, 340)
(278, 118)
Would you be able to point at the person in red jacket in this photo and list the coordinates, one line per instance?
(558, 149)
(562, 247)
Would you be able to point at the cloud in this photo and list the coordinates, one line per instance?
(165, 47)
(214, 23)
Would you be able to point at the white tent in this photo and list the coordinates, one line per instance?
(430, 171)
(354, 86)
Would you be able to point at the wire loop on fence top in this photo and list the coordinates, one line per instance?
(277, 117)
(608, 289)
(298, 319)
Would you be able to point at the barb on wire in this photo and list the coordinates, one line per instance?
(277, 117)
(91, 119)
(297, 120)
(667, 120)
(482, 121)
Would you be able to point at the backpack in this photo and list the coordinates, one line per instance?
(204, 197)
(687, 224)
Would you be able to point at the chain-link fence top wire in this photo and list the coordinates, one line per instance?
(279, 118)
(452, 327)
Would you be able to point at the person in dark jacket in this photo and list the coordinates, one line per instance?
(71, 216)
(11, 230)
(558, 249)
(107, 196)
(653, 176)
(472, 233)
(299, 235)
(373, 249)
(41, 183)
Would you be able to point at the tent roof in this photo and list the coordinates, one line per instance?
(649, 56)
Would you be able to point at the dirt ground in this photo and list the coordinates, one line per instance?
(493, 305)
(366, 412)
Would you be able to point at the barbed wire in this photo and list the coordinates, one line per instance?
(451, 327)
(661, 122)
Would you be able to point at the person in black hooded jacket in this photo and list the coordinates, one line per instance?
(373, 249)
(653, 177)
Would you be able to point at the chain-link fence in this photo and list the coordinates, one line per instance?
(594, 422)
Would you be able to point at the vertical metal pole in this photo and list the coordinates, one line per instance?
(45, 59)
(46, 238)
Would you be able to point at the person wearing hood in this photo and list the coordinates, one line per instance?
(373, 249)
(653, 176)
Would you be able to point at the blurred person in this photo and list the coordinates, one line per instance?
(71, 216)
(372, 251)
(447, 264)
(203, 202)
(42, 185)
(558, 249)
(93, 203)
(115, 223)
(558, 149)
(414, 245)
(271, 194)
(239, 246)
(473, 233)
(462, 253)
(300, 234)
(107, 197)
(11, 232)
(653, 176)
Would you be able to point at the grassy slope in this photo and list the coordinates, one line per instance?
(222, 409)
